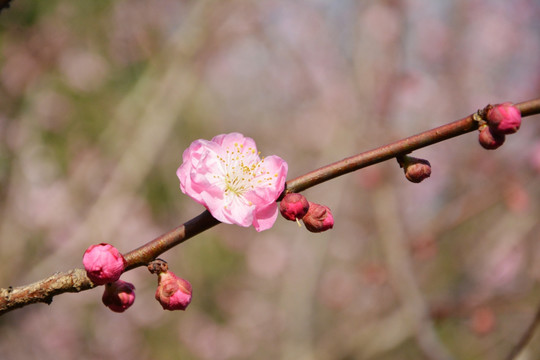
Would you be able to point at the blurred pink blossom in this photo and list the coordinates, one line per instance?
(103, 263)
(83, 70)
(516, 197)
(534, 156)
(227, 176)
(267, 257)
(483, 320)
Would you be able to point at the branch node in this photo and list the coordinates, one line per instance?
(158, 266)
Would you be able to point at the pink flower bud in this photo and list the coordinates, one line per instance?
(173, 293)
(318, 218)
(490, 140)
(118, 295)
(103, 263)
(416, 170)
(503, 118)
(293, 206)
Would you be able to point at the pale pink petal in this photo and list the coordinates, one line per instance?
(277, 171)
(229, 140)
(265, 217)
(239, 213)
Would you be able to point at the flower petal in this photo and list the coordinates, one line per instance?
(265, 217)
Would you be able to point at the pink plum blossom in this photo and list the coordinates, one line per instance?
(103, 263)
(173, 293)
(228, 177)
(119, 295)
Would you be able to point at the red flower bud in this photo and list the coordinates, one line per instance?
(103, 263)
(293, 206)
(173, 293)
(318, 218)
(503, 118)
(118, 296)
(490, 140)
(416, 170)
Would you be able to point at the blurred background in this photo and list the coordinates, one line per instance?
(98, 100)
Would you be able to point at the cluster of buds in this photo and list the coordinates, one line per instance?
(316, 217)
(497, 122)
(416, 170)
(104, 264)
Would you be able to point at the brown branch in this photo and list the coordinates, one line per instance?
(397, 148)
(4, 4)
(526, 337)
(76, 280)
(149, 251)
(44, 290)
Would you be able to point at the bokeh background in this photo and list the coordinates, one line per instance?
(98, 99)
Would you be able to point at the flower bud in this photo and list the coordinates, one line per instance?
(173, 293)
(294, 206)
(503, 118)
(118, 295)
(103, 263)
(416, 170)
(318, 218)
(490, 140)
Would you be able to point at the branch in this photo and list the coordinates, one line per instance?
(76, 280)
(44, 290)
(4, 4)
(525, 338)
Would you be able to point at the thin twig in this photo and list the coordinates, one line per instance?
(526, 337)
(4, 4)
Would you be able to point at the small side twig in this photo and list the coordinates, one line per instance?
(4, 4)
(526, 337)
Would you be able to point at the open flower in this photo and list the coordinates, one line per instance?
(228, 177)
